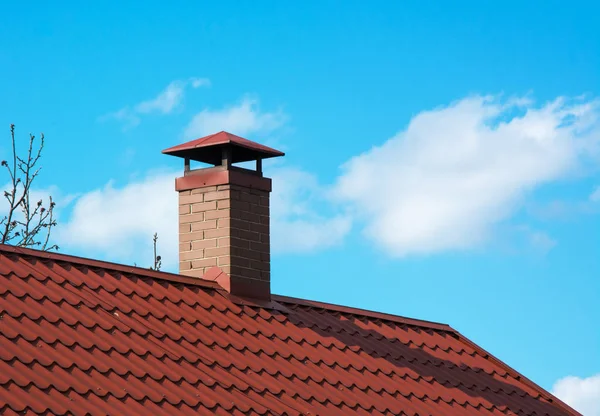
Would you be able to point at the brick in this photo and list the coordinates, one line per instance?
(245, 215)
(185, 265)
(185, 209)
(252, 288)
(258, 192)
(240, 205)
(235, 195)
(204, 225)
(238, 242)
(259, 265)
(190, 199)
(264, 219)
(185, 228)
(223, 187)
(191, 236)
(224, 222)
(247, 197)
(240, 262)
(240, 224)
(226, 203)
(245, 272)
(204, 189)
(191, 255)
(259, 228)
(261, 247)
(224, 261)
(245, 235)
(237, 252)
(264, 238)
(239, 188)
(224, 242)
(187, 246)
(198, 245)
(248, 216)
(219, 232)
(257, 209)
(226, 269)
(222, 213)
(204, 206)
(204, 263)
(213, 196)
(216, 252)
(185, 192)
(264, 201)
(183, 219)
(194, 272)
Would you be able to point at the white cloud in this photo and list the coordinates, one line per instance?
(542, 241)
(35, 194)
(119, 222)
(456, 171)
(164, 103)
(127, 117)
(296, 222)
(200, 82)
(243, 118)
(583, 394)
(60, 199)
(443, 183)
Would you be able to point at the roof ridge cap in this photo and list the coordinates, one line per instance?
(123, 268)
(201, 140)
(366, 312)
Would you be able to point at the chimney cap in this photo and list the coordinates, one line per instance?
(209, 149)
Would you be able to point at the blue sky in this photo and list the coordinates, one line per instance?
(441, 160)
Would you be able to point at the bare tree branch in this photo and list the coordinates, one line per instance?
(25, 227)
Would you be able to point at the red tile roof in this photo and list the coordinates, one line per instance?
(80, 336)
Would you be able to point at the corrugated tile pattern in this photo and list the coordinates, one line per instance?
(83, 339)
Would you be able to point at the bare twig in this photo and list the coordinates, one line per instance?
(26, 227)
(157, 259)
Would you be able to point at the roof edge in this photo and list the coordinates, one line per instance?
(365, 312)
(431, 325)
(124, 268)
(543, 392)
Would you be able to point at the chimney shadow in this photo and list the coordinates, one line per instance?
(478, 385)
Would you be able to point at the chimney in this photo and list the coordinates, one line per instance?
(224, 214)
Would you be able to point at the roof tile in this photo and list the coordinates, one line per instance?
(79, 336)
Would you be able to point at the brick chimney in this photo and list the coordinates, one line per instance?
(224, 214)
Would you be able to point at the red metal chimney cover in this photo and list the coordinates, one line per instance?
(208, 149)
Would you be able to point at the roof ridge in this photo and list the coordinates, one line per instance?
(207, 138)
(124, 268)
(176, 278)
(366, 312)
